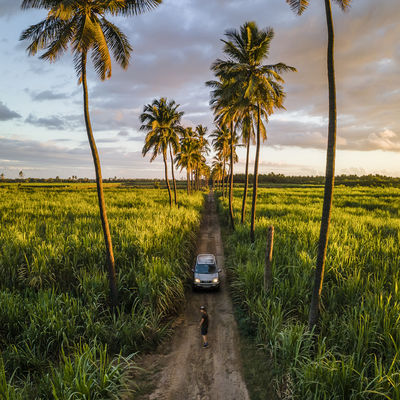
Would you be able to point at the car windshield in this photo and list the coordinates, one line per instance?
(206, 268)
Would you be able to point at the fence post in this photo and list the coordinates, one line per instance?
(268, 259)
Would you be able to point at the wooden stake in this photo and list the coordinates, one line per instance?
(268, 259)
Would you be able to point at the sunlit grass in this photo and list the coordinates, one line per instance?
(359, 341)
(55, 320)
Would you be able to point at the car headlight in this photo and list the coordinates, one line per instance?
(197, 280)
(215, 280)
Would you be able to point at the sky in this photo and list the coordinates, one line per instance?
(42, 129)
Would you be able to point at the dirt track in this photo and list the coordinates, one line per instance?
(185, 370)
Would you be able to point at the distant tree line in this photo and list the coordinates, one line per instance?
(347, 180)
(372, 180)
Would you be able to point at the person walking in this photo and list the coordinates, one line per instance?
(204, 325)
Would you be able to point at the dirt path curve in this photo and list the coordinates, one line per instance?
(187, 371)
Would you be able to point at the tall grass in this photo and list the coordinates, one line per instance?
(58, 338)
(359, 339)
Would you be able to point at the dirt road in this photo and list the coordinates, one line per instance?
(186, 371)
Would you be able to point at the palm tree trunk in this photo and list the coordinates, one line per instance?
(329, 177)
(188, 180)
(99, 185)
(246, 183)
(223, 179)
(173, 174)
(197, 178)
(255, 178)
(231, 183)
(166, 177)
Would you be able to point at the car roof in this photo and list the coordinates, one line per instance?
(206, 259)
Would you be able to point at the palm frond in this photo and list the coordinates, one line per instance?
(298, 6)
(42, 34)
(38, 4)
(344, 4)
(135, 7)
(118, 43)
(60, 44)
(100, 54)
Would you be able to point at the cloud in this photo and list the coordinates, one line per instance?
(136, 139)
(173, 60)
(7, 114)
(53, 122)
(49, 159)
(384, 140)
(108, 140)
(56, 122)
(174, 47)
(48, 95)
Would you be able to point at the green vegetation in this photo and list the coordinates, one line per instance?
(161, 120)
(82, 27)
(58, 337)
(246, 91)
(357, 355)
(299, 6)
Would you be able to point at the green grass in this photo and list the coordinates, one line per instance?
(58, 337)
(359, 340)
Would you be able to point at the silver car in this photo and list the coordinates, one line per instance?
(206, 272)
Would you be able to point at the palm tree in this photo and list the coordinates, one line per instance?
(258, 83)
(174, 144)
(189, 155)
(225, 101)
(248, 137)
(82, 25)
(299, 6)
(217, 166)
(220, 143)
(161, 121)
(204, 172)
(204, 146)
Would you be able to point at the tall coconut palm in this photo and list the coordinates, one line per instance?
(299, 6)
(161, 121)
(216, 172)
(174, 144)
(204, 173)
(82, 26)
(220, 143)
(225, 101)
(189, 155)
(259, 83)
(248, 138)
(233, 158)
(204, 147)
(230, 105)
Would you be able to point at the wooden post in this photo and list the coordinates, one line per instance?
(268, 259)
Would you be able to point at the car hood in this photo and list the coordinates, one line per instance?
(206, 277)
